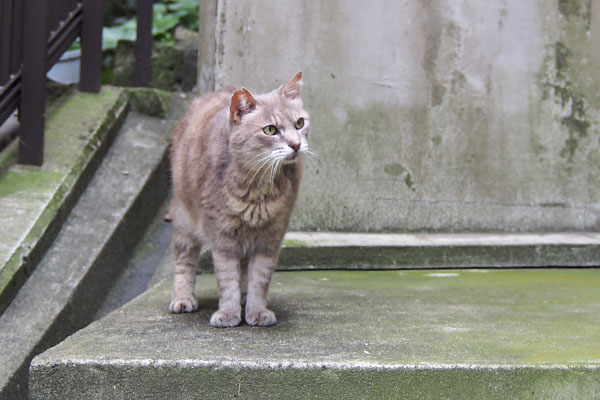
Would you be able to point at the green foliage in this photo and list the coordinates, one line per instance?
(166, 16)
(124, 31)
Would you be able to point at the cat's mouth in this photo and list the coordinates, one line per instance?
(291, 158)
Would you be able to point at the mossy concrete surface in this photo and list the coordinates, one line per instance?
(173, 66)
(486, 334)
(92, 248)
(149, 101)
(35, 201)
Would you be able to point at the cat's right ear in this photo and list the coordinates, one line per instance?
(292, 88)
(242, 103)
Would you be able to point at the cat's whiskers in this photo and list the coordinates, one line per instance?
(254, 161)
(274, 171)
(268, 164)
(276, 157)
(311, 157)
(264, 161)
(273, 158)
(270, 159)
(308, 160)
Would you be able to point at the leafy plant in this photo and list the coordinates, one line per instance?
(166, 15)
(124, 31)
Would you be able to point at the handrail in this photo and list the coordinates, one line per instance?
(33, 36)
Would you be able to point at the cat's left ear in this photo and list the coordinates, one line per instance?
(242, 103)
(292, 88)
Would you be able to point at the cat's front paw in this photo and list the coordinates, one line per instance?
(183, 305)
(225, 319)
(260, 317)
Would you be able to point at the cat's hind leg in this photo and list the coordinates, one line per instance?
(187, 251)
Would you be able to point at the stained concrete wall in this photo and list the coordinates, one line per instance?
(429, 115)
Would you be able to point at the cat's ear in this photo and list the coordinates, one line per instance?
(292, 88)
(242, 103)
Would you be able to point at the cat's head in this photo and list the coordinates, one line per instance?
(271, 129)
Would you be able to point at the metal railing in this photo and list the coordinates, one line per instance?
(33, 36)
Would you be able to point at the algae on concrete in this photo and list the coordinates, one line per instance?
(378, 334)
(173, 66)
(150, 101)
(461, 117)
(34, 201)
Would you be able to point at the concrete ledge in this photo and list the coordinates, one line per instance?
(328, 250)
(34, 202)
(372, 251)
(90, 251)
(483, 334)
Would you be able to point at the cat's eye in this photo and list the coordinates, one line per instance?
(270, 130)
(299, 124)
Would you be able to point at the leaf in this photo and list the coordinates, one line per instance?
(165, 17)
(126, 31)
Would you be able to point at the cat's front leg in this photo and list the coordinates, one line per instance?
(260, 270)
(227, 270)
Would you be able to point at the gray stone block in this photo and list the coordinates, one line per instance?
(481, 334)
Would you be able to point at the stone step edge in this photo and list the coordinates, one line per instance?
(303, 250)
(150, 379)
(40, 362)
(44, 230)
(46, 227)
(364, 251)
(97, 275)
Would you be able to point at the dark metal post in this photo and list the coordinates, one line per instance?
(5, 39)
(17, 38)
(143, 44)
(91, 46)
(33, 95)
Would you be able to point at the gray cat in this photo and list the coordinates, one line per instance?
(236, 164)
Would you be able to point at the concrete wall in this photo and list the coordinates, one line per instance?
(429, 115)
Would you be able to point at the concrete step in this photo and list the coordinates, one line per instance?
(34, 201)
(478, 333)
(90, 250)
(331, 250)
(375, 251)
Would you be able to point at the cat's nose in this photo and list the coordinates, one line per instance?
(295, 146)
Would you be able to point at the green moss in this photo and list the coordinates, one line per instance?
(564, 92)
(27, 179)
(408, 180)
(152, 102)
(569, 8)
(294, 243)
(562, 56)
(166, 65)
(485, 334)
(394, 169)
(76, 125)
(576, 125)
(576, 9)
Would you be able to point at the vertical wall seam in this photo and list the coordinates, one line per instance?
(220, 29)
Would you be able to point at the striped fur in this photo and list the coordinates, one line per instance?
(234, 188)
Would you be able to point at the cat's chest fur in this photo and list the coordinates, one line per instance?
(258, 206)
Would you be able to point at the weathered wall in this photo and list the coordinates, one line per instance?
(430, 115)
